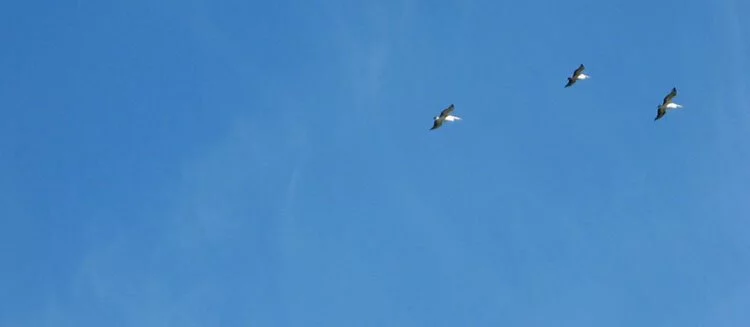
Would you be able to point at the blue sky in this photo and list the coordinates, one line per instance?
(247, 163)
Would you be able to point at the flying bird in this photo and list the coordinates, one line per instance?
(667, 104)
(577, 74)
(446, 114)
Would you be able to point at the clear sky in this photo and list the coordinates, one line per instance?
(268, 163)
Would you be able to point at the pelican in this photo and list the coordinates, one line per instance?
(446, 114)
(577, 74)
(667, 104)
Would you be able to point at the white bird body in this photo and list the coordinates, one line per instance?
(451, 118)
(583, 76)
(673, 105)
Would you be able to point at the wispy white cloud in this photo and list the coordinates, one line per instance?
(156, 278)
(243, 184)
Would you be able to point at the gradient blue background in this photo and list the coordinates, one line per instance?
(268, 163)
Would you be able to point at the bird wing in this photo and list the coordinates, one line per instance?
(571, 81)
(672, 94)
(447, 111)
(578, 71)
(660, 113)
(436, 124)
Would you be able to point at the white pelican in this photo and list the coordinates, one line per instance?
(577, 74)
(667, 104)
(446, 114)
